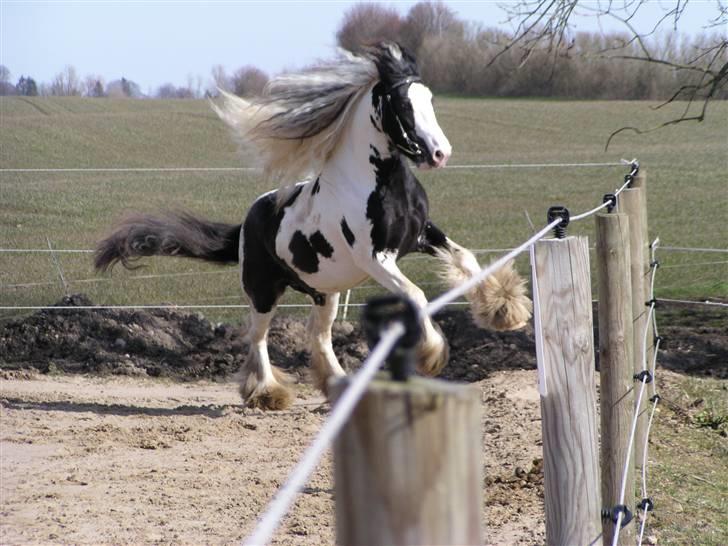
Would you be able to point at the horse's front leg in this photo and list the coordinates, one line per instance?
(433, 350)
(499, 302)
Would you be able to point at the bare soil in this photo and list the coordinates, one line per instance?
(126, 427)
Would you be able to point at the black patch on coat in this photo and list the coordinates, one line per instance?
(304, 255)
(292, 199)
(398, 206)
(265, 275)
(321, 245)
(316, 187)
(348, 235)
(432, 238)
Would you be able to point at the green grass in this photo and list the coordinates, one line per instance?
(689, 463)
(688, 206)
(686, 168)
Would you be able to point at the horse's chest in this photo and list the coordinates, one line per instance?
(313, 242)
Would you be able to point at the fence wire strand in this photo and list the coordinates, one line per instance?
(279, 506)
(648, 373)
(343, 408)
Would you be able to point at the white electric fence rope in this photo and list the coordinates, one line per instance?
(408, 257)
(283, 499)
(438, 303)
(608, 203)
(339, 414)
(650, 325)
(645, 511)
(238, 169)
(623, 486)
(691, 302)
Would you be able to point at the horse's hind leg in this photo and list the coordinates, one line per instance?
(324, 364)
(261, 384)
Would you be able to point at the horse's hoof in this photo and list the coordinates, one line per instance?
(500, 302)
(271, 395)
(433, 356)
(274, 397)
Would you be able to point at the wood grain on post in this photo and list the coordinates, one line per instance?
(615, 364)
(408, 465)
(632, 203)
(568, 408)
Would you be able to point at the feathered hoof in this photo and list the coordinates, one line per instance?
(500, 302)
(274, 395)
(433, 355)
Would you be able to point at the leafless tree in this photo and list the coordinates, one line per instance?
(94, 86)
(66, 83)
(701, 74)
(6, 86)
(220, 78)
(248, 81)
(427, 19)
(366, 23)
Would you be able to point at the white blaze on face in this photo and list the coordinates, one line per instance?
(426, 124)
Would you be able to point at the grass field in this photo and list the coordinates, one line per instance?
(480, 208)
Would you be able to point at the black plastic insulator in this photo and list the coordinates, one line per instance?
(644, 375)
(613, 514)
(655, 398)
(635, 166)
(628, 179)
(655, 264)
(562, 212)
(611, 199)
(658, 339)
(646, 505)
(380, 313)
(652, 302)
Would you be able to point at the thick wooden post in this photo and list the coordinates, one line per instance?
(408, 465)
(633, 203)
(568, 397)
(615, 365)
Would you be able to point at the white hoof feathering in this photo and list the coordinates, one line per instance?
(266, 395)
(500, 301)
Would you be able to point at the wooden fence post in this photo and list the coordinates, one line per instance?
(568, 397)
(633, 202)
(408, 465)
(615, 365)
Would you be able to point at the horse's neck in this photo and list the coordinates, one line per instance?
(350, 166)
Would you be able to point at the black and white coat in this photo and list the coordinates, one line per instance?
(361, 211)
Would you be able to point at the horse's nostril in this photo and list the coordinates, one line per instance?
(439, 155)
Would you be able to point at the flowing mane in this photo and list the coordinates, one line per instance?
(296, 124)
(353, 123)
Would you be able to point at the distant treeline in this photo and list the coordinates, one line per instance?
(456, 57)
(464, 58)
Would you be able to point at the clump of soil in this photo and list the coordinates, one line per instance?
(183, 345)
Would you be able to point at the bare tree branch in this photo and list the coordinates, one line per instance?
(544, 25)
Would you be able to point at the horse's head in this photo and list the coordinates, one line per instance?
(404, 107)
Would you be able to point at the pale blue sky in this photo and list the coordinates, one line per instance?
(154, 42)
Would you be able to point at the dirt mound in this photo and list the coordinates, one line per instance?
(183, 345)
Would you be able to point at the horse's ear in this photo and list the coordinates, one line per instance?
(393, 61)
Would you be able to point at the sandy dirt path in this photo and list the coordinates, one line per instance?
(137, 460)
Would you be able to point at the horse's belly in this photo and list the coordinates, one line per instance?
(319, 255)
(334, 275)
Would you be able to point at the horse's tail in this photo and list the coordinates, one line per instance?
(497, 303)
(169, 234)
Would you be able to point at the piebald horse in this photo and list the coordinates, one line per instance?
(337, 139)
